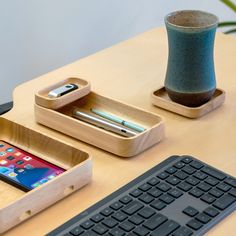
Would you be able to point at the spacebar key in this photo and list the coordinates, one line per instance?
(166, 228)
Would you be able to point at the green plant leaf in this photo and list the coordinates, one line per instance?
(230, 4)
(227, 23)
(230, 31)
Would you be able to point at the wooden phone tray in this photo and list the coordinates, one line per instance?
(16, 205)
(62, 120)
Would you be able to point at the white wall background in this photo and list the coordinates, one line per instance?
(37, 36)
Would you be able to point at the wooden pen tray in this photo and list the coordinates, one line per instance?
(63, 121)
(161, 99)
(16, 205)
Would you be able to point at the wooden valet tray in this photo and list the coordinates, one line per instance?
(42, 99)
(62, 120)
(161, 99)
(16, 205)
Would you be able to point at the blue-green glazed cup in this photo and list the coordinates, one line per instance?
(190, 77)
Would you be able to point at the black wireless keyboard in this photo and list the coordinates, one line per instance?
(182, 196)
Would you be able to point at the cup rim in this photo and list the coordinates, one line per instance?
(212, 25)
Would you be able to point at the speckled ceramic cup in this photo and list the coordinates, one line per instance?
(190, 77)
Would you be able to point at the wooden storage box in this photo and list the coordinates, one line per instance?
(62, 120)
(16, 205)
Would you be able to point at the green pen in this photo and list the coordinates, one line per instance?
(118, 120)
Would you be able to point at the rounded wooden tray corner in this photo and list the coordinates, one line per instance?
(161, 99)
(42, 99)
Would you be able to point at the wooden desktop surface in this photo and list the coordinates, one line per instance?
(129, 72)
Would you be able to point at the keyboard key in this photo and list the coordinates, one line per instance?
(146, 212)
(163, 187)
(211, 211)
(157, 204)
(203, 218)
(181, 175)
(126, 226)
(126, 199)
(153, 181)
(97, 218)
(233, 192)
(231, 182)
(120, 216)
(196, 192)
(216, 192)
(174, 192)
(117, 232)
(136, 193)
(173, 180)
(171, 170)
(100, 229)
(163, 175)
(196, 164)
(155, 221)
(141, 231)
(90, 233)
(190, 211)
(214, 173)
(194, 224)
(165, 229)
(146, 198)
(179, 165)
(87, 224)
(155, 192)
(183, 231)
(110, 222)
(77, 231)
(184, 186)
(166, 198)
(224, 187)
(132, 207)
(107, 211)
(136, 219)
(224, 202)
(189, 170)
(200, 175)
(212, 181)
(208, 198)
(116, 205)
(192, 180)
(145, 187)
(204, 187)
(187, 159)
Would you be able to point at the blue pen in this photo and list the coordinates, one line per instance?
(118, 120)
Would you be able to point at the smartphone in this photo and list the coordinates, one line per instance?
(102, 123)
(58, 92)
(24, 170)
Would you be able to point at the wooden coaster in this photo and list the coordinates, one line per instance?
(161, 99)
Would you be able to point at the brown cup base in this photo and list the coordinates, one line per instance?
(190, 99)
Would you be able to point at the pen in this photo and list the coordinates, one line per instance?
(118, 120)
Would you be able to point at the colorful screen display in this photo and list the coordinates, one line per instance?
(25, 169)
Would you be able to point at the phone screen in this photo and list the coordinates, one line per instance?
(23, 169)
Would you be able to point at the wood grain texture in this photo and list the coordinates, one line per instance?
(161, 99)
(111, 142)
(129, 72)
(16, 205)
(42, 99)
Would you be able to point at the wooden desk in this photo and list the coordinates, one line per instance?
(129, 72)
